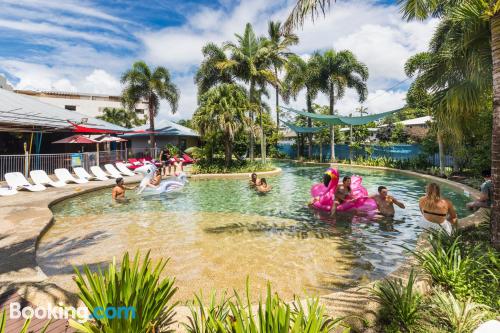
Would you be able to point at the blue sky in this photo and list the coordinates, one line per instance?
(85, 45)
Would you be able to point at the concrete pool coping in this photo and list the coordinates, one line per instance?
(26, 216)
(239, 175)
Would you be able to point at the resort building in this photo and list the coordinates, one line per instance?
(417, 127)
(90, 105)
(166, 132)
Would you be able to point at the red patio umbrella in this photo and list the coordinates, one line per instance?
(77, 139)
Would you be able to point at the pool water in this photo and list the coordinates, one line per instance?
(218, 232)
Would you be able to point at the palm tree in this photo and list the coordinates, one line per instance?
(209, 74)
(121, 117)
(280, 41)
(301, 74)
(140, 83)
(250, 62)
(223, 110)
(339, 71)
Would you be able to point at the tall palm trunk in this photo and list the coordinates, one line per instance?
(263, 137)
(277, 101)
(228, 150)
(442, 155)
(332, 131)
(495, 137)
(309, 124)
(151, 109)
(252, 137)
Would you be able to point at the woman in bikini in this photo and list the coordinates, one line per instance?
(438, 210)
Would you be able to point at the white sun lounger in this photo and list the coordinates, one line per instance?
(17, 180)
(112, 171)
(83, 174)
(124, 170)
(5, 191)
(98, 173)
(64, 175)
(41, 177)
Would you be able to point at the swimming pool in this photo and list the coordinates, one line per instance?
(218, 232)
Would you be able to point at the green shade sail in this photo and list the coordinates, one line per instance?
(299, 130)
(340, 120)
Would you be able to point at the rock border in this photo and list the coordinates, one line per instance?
(239, 175)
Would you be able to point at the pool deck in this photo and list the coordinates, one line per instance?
(26, 216)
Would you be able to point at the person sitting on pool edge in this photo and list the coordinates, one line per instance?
(118, 192)
(263, 187)
(342, 194)
(486, 197)
(438, 210)
(386, 202)
(254, 181)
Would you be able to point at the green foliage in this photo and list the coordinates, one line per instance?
(418, 163)
(273, 315)
(467, 270)
(174, 150)
(186, 123)
(400, 304)
(121, 117)
(458, 316)
(24, 329)
(127, 285)
(218, 165)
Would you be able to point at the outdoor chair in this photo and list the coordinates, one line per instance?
(17, 180)
(6, 191)
(83, 174)
(112, 171)
(64, 175)
(123, 169)
(98, 173)
(41, 177)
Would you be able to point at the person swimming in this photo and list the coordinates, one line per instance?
(254, 181)
(342, 194)
(438, 210)
(386, 202)
(263, 187)
(118, 193)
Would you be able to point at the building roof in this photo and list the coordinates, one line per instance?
(164, 127)
(24, 113)
(416, 121)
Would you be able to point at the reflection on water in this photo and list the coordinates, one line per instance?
(218, 232)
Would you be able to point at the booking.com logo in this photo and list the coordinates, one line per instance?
(80, 314)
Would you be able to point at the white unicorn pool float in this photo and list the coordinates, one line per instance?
(166, 186)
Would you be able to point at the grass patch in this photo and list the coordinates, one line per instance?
(218, 166)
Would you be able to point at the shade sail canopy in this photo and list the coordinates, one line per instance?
(109, 138)
(80, 139)
(300, 130)
(340, 120)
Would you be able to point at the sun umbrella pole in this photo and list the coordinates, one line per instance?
(97, 157)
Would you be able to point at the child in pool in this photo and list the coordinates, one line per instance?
(264, 187)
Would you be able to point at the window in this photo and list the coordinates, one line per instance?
(139, 111)
(70, 107)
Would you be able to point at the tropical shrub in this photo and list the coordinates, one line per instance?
(233, 315)
(458, 316)
(400, 304)
(218, 165)
(132, 286)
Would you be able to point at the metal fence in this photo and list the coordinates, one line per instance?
(343, 152)
(49, 162)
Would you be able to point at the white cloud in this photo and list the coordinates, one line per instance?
(374, 32)
(101, 82)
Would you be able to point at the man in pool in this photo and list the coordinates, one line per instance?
(486, 197)
(342, 194)
(386, 202)
(118, 193)
(254, 181)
